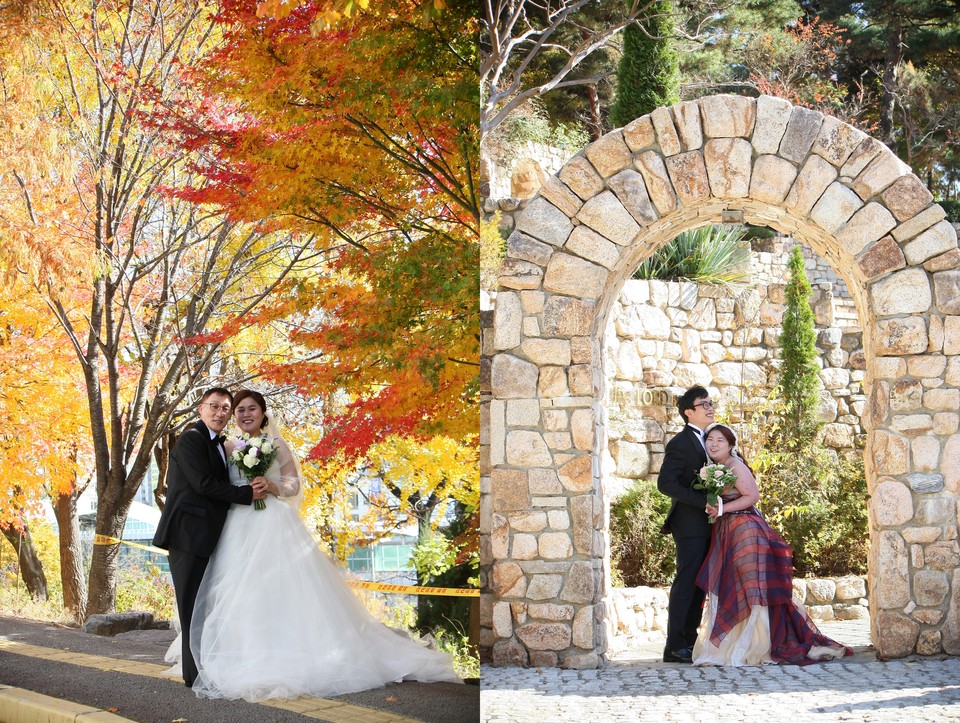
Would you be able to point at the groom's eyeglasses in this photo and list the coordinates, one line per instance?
(706, 404)
(219, 407)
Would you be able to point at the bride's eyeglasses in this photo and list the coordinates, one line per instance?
(706, 404)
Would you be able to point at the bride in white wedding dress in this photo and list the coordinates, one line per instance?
(274, 617)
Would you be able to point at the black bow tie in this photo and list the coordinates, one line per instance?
(218, 440)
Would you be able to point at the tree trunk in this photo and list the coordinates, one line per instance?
(891, 65)
(31, 570)
(595, 123)
(423, 534)
(112, 510)
(71, 559)
(161, 453)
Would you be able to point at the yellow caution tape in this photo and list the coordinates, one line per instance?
(414, 589)
(106, 540)
(360, 584)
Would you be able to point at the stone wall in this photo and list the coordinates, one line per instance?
(639, 614)
(719, 159)
(663, 337)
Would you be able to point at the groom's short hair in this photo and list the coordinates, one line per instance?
(222, 391)
(689, 399)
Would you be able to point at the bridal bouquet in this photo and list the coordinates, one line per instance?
(253, 457)
(713, 480)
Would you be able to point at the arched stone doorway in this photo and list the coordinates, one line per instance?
(718, 159)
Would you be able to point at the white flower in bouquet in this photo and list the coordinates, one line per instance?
(253, 457)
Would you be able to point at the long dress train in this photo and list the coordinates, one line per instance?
(750, 616)
(274, 617)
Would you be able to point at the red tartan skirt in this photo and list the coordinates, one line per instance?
(750, 564)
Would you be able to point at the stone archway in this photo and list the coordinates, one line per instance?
(718, 159)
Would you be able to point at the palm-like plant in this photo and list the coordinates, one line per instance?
(710, 255)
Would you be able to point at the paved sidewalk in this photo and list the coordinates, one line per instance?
(51, 673)
(639, 687)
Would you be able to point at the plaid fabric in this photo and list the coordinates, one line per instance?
(749, 564)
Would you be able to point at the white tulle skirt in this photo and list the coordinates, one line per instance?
(275, 618)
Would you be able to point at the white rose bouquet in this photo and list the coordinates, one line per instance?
(253, 457)
(713, 480)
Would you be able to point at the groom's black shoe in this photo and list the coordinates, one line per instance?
(680, 655)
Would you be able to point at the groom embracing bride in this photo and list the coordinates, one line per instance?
(199, 495)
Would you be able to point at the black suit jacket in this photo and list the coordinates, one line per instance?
(682, 462)
(199, 494)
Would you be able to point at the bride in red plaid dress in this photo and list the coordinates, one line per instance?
(750, 616)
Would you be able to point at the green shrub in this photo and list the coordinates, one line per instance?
(952, 207)
(639, 553)
(145, 589)
(710, 254)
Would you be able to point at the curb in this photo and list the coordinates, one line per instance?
(17, 704)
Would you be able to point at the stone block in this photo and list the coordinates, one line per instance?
(772, 116)
(728, 116)
(520, 275)
(527, 248)
(891, 453)
(606, 215)
(922, 221)
(892, 503)
(545, 636)
(946, 285)
(926, 453)
(893, 579)
(609, 154)
(544, 586)
(951, 335)
(544, 221)
(590, 245)
(898, 337)
(881, 257)
(937, 239)
(110, 624)
(835, 207)
(508, 653)
(728, 166)
(772, 179)
(686, 117)
(865, 226)
(507, 580)
(513, 378)
(633, 460)
(688, 174)
(555, 545)
(951, 625)
(879, 174)
(868, 149)
(552, 382)
(943, 262)
(579, 586)
(802, 130)
(667, 137)
(573, 276)
(566, 317)
(821, 591)
(944, 555)
(630, 188)
(577, 474)
(814, 178)
(930, 587)
(639, 134)
(907, 197)
(581, 177)
(837, 140)
(929, 642)
(526, 448)
(902, 292)
(850, 588)
(657, 179)
(546, 351)
(557, 193)
(897, 636)
(528, 520)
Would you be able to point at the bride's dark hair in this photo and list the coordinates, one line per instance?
(255, 396)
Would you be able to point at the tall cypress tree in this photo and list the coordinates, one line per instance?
(799, 386)
(649, 73)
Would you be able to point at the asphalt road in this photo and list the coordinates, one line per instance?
(146, 698)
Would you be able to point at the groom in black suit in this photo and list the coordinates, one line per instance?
(199, 494)
(687, 521)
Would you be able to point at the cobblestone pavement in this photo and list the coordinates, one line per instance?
(638, 687)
